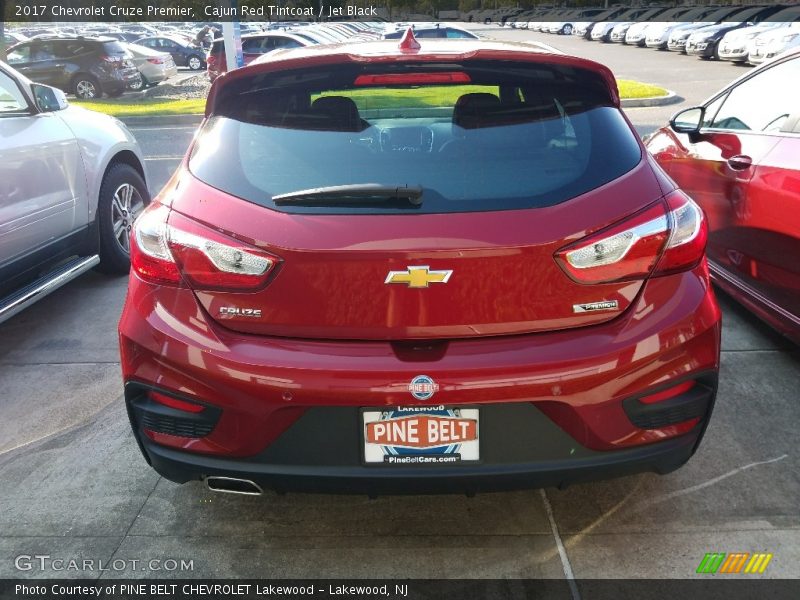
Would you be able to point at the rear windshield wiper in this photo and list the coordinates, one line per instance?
(360, 193)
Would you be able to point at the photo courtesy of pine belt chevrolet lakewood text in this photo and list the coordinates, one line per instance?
(407, 266)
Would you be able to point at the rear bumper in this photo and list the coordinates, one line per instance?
(663, 457)
(290, 408)
(157, 75)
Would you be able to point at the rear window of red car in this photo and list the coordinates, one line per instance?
(473, 135)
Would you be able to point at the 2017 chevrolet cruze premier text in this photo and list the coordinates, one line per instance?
(389, 268)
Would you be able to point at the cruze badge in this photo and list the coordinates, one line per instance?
(593, 306)
(235, 311)
(418, 276)
(423, 387)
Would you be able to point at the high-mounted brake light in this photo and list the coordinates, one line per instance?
(412, 78)
(168, 248)
(659, 240)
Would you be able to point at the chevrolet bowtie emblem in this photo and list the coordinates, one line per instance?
(418, 277)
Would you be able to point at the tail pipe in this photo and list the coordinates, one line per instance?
(233, 485)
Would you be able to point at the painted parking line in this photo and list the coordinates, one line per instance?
(569, 574)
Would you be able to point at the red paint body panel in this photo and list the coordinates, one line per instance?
(753, 214)
(330, 283)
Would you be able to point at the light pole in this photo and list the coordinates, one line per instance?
(232, 35)
(2, 30)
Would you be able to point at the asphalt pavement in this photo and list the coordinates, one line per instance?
(76, 486)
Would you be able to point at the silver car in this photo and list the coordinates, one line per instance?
(71, 183)
(153, 66)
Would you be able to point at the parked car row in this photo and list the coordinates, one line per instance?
(298, 35)
(749, 34)
(49, 56)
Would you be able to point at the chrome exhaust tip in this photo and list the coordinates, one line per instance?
(233, 485)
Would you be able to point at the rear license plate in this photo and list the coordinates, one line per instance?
(420, 436)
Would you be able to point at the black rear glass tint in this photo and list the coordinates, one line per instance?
(475, 136)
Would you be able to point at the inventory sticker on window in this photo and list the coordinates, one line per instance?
(417, 435)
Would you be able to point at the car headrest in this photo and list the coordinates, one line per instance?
(340, 112)
(471, 110)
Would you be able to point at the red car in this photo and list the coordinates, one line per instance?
(738, 156)
(386, 268)
(253, 46)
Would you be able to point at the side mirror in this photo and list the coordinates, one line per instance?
(688, 120)
(49, 99)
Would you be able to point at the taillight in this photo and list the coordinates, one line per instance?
(216, 62)
(156, 61)
(687, 242)
(627, 250)
(167, 248)
(111, 59)
(150, 255)
(658, 240)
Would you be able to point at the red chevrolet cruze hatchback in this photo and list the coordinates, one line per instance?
(387, 268)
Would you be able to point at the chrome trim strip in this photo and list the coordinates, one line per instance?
(46, 287)
(747, 288)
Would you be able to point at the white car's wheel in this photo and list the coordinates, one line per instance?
(123, 196)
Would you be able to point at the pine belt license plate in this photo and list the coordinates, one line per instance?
(418, 436)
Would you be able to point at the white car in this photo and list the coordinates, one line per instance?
(72, 181)
(635, 36)
(771, 43)
(779, 41)
(734, 44)
(620, 27)
(656, 34)
(567, 26)
(601, 31)
(153, 66)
